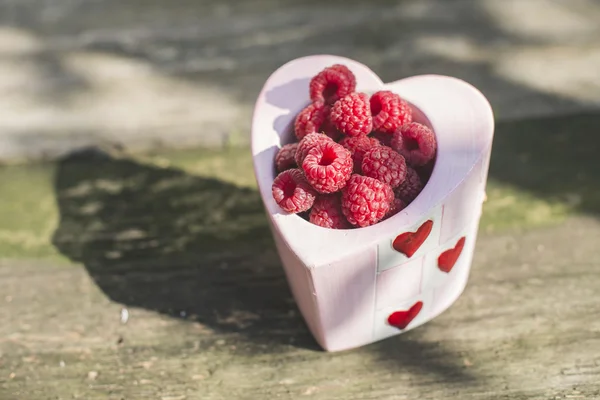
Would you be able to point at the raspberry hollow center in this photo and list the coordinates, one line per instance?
(411, 144)
(289, 189)
(330, 90)
(328, 157)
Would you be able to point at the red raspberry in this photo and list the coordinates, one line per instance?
(331, 84)
(383, 138)
(358, 146)
(415, 142)
(389, 111)
(314, 118)
(411, 187)
(384, 164)
(327, 212)
(396, 206)
(365, 201)
(327, 166)
(307, 143)
(292, 192)
(352, 115)
(285, 158)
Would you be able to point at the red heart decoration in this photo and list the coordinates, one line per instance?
(447, 259)
(408, 243)
(401, 319)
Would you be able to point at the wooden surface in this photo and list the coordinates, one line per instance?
(522, 330)
(154, 277)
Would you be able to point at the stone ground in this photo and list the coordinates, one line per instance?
(128, 275)
(148, 74)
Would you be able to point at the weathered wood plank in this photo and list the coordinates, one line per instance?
(526, 327)
(210, 315)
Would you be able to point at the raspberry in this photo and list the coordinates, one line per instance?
(285, 158)
(411, 187)
(396, 206)
(415, 142)
(365, 201)
(383, 138)
(307, 143)
(292, 192)
(384, 164)
(331, 84)
(358, 146)
(352, 115)
(327, 166)
(314, 118)
(327, 212)
(389, 111)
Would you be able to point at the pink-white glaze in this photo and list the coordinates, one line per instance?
(343, 280)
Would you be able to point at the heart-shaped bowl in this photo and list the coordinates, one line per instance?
(358, 286)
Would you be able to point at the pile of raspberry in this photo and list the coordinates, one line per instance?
(357, 159)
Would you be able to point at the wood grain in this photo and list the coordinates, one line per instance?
(527, 326)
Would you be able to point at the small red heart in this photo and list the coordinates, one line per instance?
(447, 259)
(401, 319)
(408, 243)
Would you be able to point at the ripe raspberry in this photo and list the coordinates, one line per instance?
(396, 206)
(358, 146)
(331, 84)
(383, 138)
(384, 164)
(411, 187)
(389, 111)
(352, 115)
(307, 143)
(365, 201)
(292, 192)
(327, 166)
(314, 118)
(285, 158)
(415, 142)
(327, 212)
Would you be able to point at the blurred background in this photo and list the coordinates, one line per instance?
(135, 258)
(148, 74)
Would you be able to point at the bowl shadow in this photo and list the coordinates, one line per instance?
(199, 250)
(189, 247)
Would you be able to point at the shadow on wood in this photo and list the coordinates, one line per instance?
(190, 247)
(429, 359)
(197, 249)
(555, 158)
